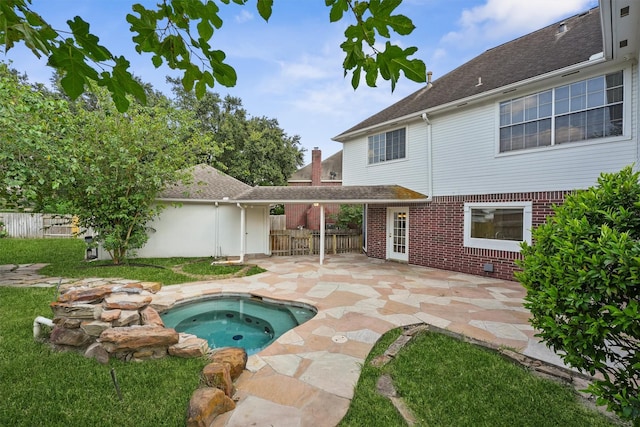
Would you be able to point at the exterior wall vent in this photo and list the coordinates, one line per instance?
(624, 11)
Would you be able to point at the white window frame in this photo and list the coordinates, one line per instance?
(406, 137)
(503, 245)
(626, 117)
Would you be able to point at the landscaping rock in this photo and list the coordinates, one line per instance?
(110, 315)
(189, 346)
(69, 337)
(63, 322)
(125, 301)
(85, 295)
(217, 375)
(152, 287)
(137, 337)
(151, 317)
(149, 353)
(127, 318)
(205, 405)
(75, 310)
(94, 328)
(234, 356)
(96, 351)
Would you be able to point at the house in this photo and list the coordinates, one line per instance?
(318, 173)
(217, 215)
(499, 140)
(202, 219)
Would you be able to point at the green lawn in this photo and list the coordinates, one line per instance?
(447, 382)
(39, 387)
(66, 259)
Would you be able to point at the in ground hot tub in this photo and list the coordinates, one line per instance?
(237, 320)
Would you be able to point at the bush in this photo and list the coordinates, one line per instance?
(582, 276)
(349, 217)
(3, 233)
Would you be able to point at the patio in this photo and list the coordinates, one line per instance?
(307, 377)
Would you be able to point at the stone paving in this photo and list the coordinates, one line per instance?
(307, 377)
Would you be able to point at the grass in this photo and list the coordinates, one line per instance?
(447, 382)
(66, 259)
(42, 387)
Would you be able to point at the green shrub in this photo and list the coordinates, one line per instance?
(582, 276)
(349, 217)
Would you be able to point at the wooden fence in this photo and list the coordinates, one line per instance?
(278, 222)
(307, 242)
(37, 225)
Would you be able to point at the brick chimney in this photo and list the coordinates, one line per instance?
(316, 166)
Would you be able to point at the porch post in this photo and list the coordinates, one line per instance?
(321, 234)
(243, 233)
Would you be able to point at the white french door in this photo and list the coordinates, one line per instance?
(398, 234)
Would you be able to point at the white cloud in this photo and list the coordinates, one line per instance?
(499, 19)
(244, 16)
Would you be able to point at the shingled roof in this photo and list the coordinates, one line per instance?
(208, 184)
(335, 194)
(537, 53)
(331, 169)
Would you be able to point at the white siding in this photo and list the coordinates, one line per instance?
(199, 230)
(465, 159)
(410, 172)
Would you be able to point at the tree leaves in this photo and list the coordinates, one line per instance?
(178, 33)
(376, 17)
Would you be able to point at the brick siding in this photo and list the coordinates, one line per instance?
(436, 232)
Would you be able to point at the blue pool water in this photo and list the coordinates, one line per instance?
(237, 320)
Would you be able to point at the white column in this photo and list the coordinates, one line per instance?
(243, 233)
(321, 234)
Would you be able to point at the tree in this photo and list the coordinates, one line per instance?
(179, 34)
(254, 150)
(117, 164)
(582, 276)
(105, 166)
(33, 126)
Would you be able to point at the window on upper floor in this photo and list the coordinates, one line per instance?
(499, 225)
(387, 146)
(580, 111)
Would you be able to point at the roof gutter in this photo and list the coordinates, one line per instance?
(334, 201)
(596, 59)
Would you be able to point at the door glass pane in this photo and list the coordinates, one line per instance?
(399, 232)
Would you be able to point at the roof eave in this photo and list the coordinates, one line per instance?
(333, 201)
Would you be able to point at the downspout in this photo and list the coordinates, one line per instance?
(322, 232)
(243, 236)
(426, 119)
(40, 321)
(216, 236)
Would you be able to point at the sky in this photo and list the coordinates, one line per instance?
(290, 68)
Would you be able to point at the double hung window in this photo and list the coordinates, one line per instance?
(387, 146)
(580, 111)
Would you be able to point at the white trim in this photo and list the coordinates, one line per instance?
(503, 245)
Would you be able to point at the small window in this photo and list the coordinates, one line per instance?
(501, 226)
(387, 146)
